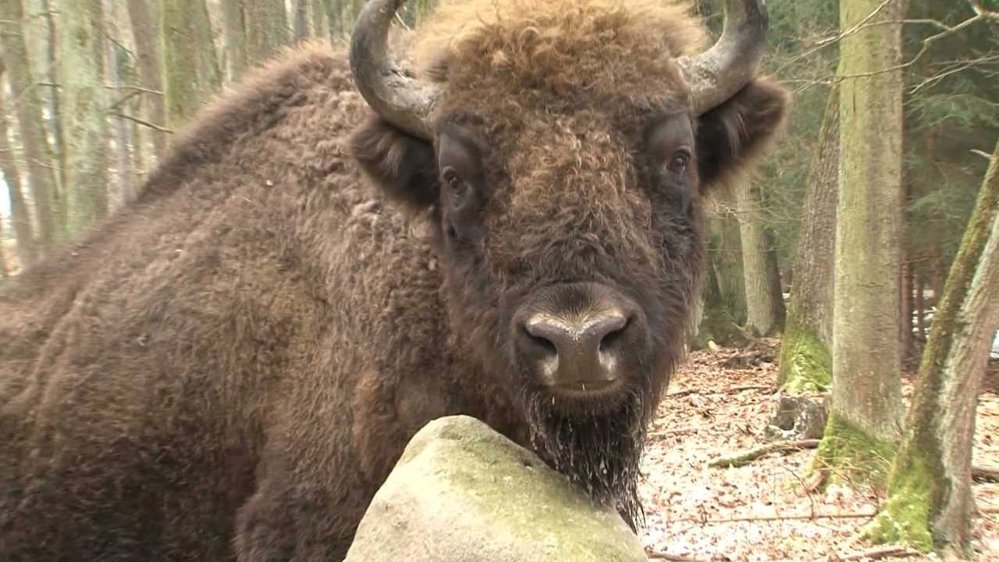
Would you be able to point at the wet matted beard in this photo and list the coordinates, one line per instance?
(599, 454)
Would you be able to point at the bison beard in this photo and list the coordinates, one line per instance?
(598, 453)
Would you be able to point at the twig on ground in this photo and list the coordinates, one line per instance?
(677, 431)
(731, 390)
(656, 555)
(746, 457)
(801, 517)
(985, 473)
(882, 552)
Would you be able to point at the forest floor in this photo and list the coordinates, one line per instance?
(719, 403)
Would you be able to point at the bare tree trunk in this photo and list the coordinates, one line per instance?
(20, 217)
(930, 502)
(122, 152)
(906, 342)
(40, 165)
(266, 28)
(301, 12)
(185, 84)
(145, 26)
(209, 71)
(865, 420)
(234, 24)
(758, 267)
(920, 307)
(320, 18)
(81, 80)
(60, 203)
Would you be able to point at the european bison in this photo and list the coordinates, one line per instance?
(229, 367)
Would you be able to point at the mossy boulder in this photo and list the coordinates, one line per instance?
(462, 492)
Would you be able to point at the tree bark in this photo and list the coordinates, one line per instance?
(266, 29)
(301, 13)
(764, 307)
(185, 82)
(209, 71)
(234, 25)
(58, 147)
(865, 421)
(122, 141)
(145, 28)
(930, 503)
(20, 217)
(84, 101)
(37, 153)
(320, 18)
(805, 362)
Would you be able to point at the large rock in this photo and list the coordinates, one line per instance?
(462, 492)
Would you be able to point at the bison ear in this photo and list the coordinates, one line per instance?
(731, 136)
(402, 166)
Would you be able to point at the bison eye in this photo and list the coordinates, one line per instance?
(453, 181)
(677, 165)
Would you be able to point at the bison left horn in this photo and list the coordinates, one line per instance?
(405, 102)
(718, 73)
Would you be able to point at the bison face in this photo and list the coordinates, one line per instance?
(562, 152)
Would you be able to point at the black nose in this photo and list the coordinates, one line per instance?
(578, 351)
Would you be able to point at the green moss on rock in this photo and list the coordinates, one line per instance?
(851, 455)
(805, 363)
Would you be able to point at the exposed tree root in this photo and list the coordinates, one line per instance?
(746, 457)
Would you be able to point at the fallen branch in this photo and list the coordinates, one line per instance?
(879, 553)
(754, 518)
(656, 555)
(746, 457)
(985, 473)
(731, 390)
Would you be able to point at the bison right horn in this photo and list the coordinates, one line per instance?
(403, 101)
(718, 73)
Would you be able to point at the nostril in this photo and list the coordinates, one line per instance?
(613, 337)
(538, 340)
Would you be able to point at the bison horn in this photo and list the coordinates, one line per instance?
(718, 73)
(401, 100)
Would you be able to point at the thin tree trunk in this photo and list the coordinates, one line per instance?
(209, 71)
(762, 304)
(60, 202)
(145, 26)
(122, 153)
(41, 172)
(921, 307)
(266, 29)
(805, 362)
(20, 217)
(185, 84)
(301, 12)
(320, 18)
(81, 80)
(234, 24)
(930, 502)
(906, 342)
(865, 420)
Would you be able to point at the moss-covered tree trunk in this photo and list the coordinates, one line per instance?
(40, 164)
(929, 499)
(20, 216)
(805, 361)
(266, 28)
(764, 304)
(865, 420)
(145, 26)
(84, 102)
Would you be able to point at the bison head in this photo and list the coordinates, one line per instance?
(561, 149)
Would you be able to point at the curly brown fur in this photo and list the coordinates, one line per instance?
(229, 367)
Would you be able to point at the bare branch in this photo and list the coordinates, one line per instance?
(142, 122)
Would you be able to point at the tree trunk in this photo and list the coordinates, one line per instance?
(60, 201)
(266, 29)
(20, 217)
(209, 71)
(764, 307)
(84, 101)
(122, 144)
(37, 153)
(185, 83)
(234, 24)
(921, 307)
(724, 305)
(930, 501)
(906, 341)
(301, 12)
(320, 18)
(865, 421)
(805, 362)
(145, 28)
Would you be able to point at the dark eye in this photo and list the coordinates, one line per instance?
(678, 162)
(453, 181)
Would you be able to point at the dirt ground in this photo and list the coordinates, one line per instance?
(719, 403)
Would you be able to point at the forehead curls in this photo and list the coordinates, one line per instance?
(564, 47)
